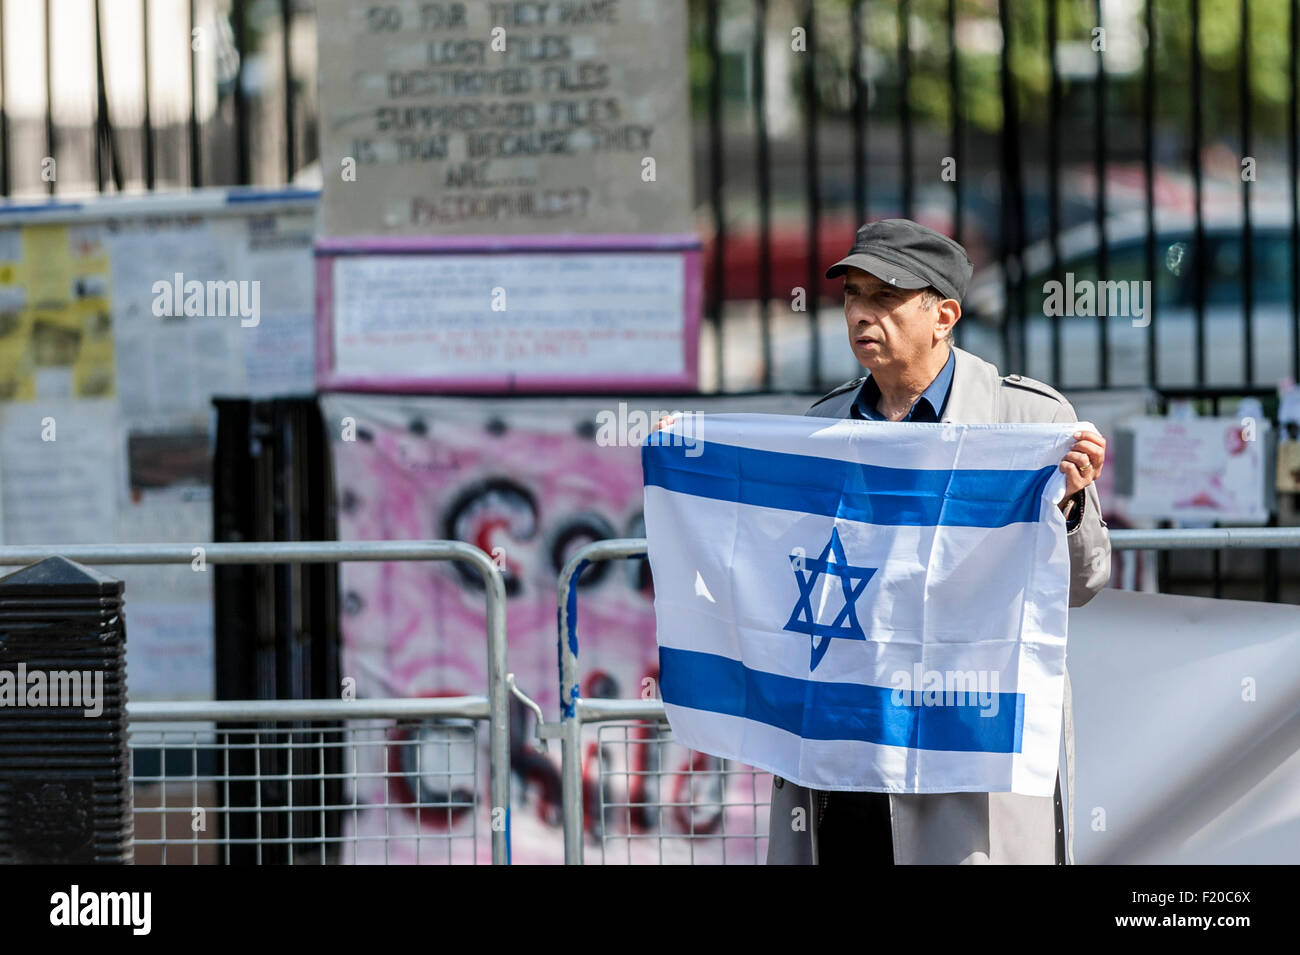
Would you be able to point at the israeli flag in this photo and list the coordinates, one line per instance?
(860, 605)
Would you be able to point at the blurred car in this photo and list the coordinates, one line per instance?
(1172, 317)
(836, 229)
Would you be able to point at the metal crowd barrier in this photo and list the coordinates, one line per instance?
(650, 731)
(205, 746)
(662, 801)
(181, 754)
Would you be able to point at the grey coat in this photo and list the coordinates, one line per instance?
(949, 828)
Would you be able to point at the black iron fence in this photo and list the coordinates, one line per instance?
(1050, 142)
(154, 94)
(1157, 144)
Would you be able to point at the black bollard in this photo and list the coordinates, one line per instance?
(65, 788)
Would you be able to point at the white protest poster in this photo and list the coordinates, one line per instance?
(431, 316)
(168, 359)
(59, 471)
(1288, 445)
(504, 118)
(168, 606)
(279, 348)
(1199, 469)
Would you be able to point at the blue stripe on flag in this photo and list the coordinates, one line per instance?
(871, 494)
(836, 711)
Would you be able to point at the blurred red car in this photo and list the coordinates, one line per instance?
(789, 254)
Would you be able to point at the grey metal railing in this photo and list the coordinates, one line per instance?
(575, 712)
(412, 757)
(496, 701)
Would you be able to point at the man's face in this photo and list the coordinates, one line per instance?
(888, 327)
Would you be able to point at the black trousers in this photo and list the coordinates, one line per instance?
(855, 828)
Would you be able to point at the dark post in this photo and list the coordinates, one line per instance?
(1054, 184)
(290, 143)
(196, 154)
(4, 113)
(811, 172)
(764, 177)
(1149, 174)
(51, 143)
(146, 122)
(1293, 167)
(859, 117)
(1247, 232)
(905, 105)
(1103, 246)
(243, 143)
(1200, 260)
(65, 774)
(718, 298)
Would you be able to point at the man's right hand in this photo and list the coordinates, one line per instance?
(665, 421)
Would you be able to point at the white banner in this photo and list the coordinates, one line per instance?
(1187, 730)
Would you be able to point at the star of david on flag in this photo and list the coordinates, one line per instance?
(921, 651)
(852, 579)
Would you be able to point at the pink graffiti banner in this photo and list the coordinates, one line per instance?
(528, 480)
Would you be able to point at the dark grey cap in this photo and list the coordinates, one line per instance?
(909, 255)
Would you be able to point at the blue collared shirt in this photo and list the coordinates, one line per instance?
(928, 407)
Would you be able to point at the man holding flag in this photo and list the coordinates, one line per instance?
(903, 284)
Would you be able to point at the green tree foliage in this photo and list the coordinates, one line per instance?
(979, 56)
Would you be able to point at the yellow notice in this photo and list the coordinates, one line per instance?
(56, 328)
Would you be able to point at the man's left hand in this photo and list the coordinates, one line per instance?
(1082, 464)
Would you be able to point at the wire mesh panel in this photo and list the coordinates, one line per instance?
(373, 791)
(647, 799)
